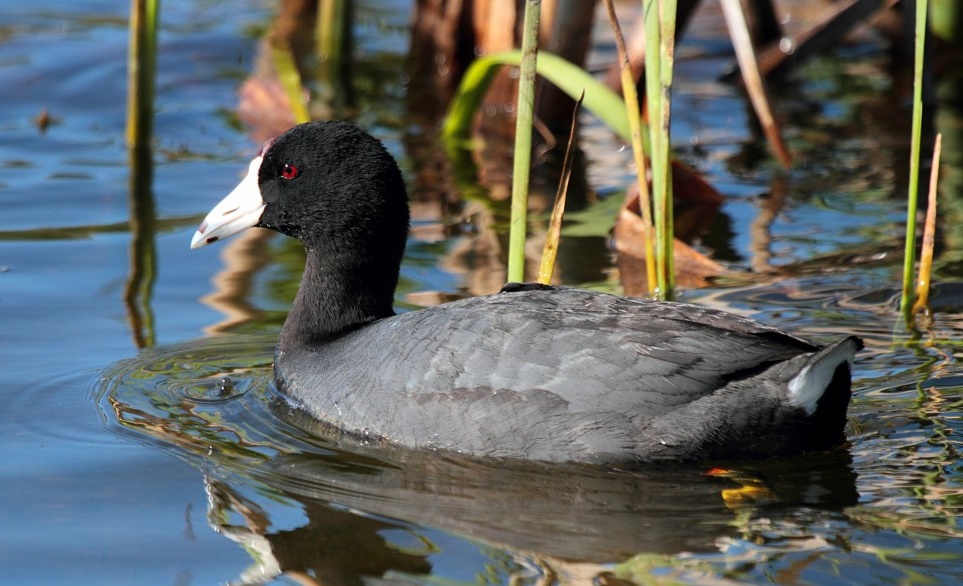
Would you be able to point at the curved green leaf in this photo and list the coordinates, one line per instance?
(570, 78)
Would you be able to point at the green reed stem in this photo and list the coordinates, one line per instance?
(909, 251)
(631, 96)
(659, 55)
(330, 32)
(667, 16)
(141, 71)
(523, 142)
(287, 69)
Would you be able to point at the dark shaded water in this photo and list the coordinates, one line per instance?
(119, 467)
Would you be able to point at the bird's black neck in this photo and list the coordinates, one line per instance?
(340, 291)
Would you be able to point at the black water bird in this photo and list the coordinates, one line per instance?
(532, 373)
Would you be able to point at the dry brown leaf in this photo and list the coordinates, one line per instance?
(691, 266)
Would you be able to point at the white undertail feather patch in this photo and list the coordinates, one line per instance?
(806, 388)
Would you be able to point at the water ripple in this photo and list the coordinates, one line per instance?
(886, 504)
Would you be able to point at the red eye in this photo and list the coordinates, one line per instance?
(289, 172)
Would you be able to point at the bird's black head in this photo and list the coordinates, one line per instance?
(331, 182)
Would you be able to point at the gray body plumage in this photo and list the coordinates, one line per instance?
(563, 375)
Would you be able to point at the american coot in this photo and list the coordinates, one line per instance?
(533, 372)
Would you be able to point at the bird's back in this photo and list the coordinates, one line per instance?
(551, 374)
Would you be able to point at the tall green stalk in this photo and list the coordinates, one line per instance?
(523, 142)
(141, 71)
(659, 55)
(331, 76)
(290, 78)
(330, 32)
(631, 97)
(667, 17)
(909, 251)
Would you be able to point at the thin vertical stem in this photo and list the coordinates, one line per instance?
(667, 13)
(909, 251)
(290, 78)
(631, 96)
(523, 142)
(733, 12)
(659, 33)
(929, 234)
(550, 250)
(141, 71)
(330, 30)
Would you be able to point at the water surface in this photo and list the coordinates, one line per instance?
(180, 464)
